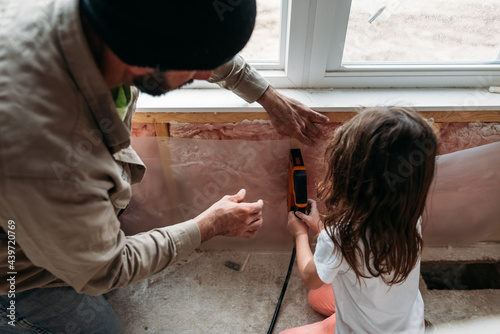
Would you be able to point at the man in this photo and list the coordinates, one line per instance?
(68, 76)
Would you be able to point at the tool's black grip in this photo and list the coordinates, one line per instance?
(300, 189)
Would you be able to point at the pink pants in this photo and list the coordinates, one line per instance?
(323, 301)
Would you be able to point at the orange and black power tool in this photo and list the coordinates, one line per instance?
(297, 182)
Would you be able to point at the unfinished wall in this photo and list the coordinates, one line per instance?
(199, 163)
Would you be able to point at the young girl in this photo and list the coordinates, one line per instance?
(380, 168)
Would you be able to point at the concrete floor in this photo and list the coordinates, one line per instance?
(202, 295)
(453, 310)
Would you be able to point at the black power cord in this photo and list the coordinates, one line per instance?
(283, 290)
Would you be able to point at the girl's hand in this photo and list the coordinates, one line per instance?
(296, 227)
(312, 219)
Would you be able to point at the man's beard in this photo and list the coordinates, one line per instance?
(155, 83)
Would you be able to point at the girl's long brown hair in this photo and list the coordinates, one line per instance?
(380, 168)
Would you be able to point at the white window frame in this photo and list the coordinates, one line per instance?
(312, 42)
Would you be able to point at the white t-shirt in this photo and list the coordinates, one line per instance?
(373, 307)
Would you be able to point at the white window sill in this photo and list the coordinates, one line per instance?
(326, 100)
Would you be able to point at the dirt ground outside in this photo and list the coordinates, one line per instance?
(404, 31)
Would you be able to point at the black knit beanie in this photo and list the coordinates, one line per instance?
(172, 34)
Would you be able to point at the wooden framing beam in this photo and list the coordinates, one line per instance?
(197, 117)
(162, 129)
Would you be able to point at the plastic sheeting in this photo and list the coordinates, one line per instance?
(464, 204)
(186, 176)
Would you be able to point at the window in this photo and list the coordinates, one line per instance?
(423, 31)
(264, 45)
(377, 43)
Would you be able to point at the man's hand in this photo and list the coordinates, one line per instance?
(230, 216)
(292, 118)
(312, 219)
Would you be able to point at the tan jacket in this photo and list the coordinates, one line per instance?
(66, 165)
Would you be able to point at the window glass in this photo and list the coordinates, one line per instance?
(423, 31)
(265, 41)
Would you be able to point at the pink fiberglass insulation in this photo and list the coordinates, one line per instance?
(246, 130)
(143, 130)
(460, 136)
(453, 136)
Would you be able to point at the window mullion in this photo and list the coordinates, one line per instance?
(323, 39)
(297, 56)
(285, 5)
(340, 19)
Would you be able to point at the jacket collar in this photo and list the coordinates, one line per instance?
(87, 76)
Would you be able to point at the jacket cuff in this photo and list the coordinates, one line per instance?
(252, 87)
(240, 78)
(187, 237)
